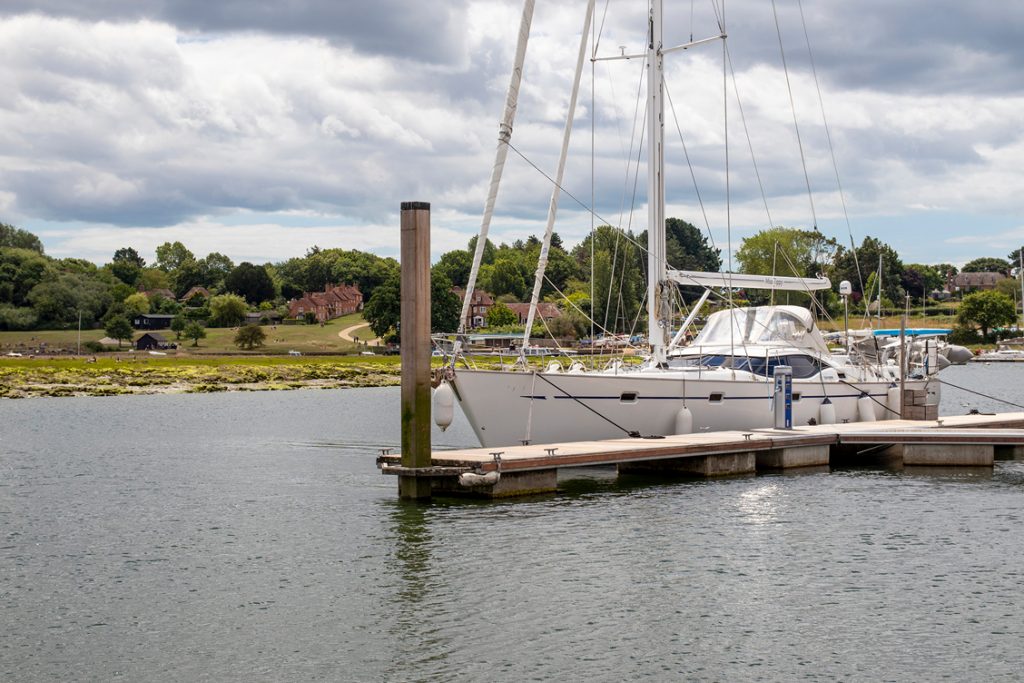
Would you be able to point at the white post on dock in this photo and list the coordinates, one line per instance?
(415, 340)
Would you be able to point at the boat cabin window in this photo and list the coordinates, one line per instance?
(803, 365)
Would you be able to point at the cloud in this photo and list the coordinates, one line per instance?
(193, 118)
(426, 32)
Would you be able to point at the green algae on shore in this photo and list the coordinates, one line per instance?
(25, 378)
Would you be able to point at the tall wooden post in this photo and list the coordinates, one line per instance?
(415, 340)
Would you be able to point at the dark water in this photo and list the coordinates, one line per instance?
(235, 537)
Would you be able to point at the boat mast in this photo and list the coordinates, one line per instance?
(542, 261)
(879, 288)
(657, 325)
(504, 136)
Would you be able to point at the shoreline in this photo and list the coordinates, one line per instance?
(60, 377)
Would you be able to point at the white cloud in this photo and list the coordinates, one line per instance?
(135, 131)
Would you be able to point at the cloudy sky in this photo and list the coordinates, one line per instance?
(259, 128)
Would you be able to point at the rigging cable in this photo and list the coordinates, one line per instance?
(693, 176)
(796, 125)
(831, 148)
(632, 433)
(750, 144)
(970, 391)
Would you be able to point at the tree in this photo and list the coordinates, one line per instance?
(178, 326)
(188, 275)
(136, 303)
(249, 337)
(16, 318)
(787, 252)
(128, 255)
(11, 236)
(920, 279)
(127, 265)
(489, 250)
(867, 257)
(250, 282)
(687, 248)
(500, 315)
(195, 331)
(227, 310)
(20, 271)
(987, 310)
(59, 301)
(215, 267)
(455, 265)
(445, 306)
(618, 269)
(987, 264)
(384, 309)
(120, 329)
(153, 278)
(170, 256)
(507, 278)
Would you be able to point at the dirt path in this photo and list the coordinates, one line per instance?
(348, 332)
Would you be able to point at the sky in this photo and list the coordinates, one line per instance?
(260, 128)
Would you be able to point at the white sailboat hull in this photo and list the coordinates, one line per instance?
(508, 408)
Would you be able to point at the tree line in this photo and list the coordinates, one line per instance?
(603, 278)
(38, 291)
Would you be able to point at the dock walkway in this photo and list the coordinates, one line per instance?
(967, 440)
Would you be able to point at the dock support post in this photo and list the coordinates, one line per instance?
(415, 340)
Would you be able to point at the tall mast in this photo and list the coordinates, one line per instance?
(545, 247)
(879, 288)
(657, 325)
(504, 136)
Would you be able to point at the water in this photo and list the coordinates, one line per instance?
(249, 536)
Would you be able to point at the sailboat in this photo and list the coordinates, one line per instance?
(722, 379)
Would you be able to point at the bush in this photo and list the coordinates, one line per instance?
(964, 335)
(250, 337)
(15, 318)
(94, 346)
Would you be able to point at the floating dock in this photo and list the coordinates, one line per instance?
(960, 441)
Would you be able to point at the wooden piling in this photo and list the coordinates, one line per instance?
(415, 340)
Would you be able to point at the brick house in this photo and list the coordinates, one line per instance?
(545, 310)
(334, 302)
(478, 307)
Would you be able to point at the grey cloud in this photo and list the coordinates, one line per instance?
(911, 46)
(430, 32)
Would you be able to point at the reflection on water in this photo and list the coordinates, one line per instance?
(250, 536)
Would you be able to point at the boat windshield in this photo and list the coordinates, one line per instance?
(781, 325)
(803, 366)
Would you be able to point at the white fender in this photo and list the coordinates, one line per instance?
(827, 413)
(892, 402)
(444, 405)
(684, 421)
(472, 479)
(865, 409)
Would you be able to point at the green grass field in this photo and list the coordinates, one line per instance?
(281, 339)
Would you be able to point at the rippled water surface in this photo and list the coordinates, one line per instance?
(249, 536)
